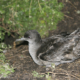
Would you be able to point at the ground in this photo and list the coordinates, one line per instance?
(24, 65)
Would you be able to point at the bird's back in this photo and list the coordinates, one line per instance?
(59, 49)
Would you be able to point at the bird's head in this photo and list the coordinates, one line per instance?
(31, 36)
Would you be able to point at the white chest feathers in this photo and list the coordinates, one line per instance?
(33, 48)
(33, 52)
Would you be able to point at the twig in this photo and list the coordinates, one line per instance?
(68, 16)
(39, 6)
(72, 4)
(63, 73)
(24, 51)
(75, 77)
(9, 31)
(1, 61)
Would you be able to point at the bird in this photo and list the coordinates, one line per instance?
(56, 49)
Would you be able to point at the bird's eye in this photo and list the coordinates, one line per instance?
(28, 36)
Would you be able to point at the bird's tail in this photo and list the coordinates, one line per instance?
(75, 32)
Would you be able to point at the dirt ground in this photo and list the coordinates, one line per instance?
(24, 65)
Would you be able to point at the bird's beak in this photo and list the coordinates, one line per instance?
(22, 39)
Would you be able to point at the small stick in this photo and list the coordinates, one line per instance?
(68, 16)
(72, 4)
(24, 51)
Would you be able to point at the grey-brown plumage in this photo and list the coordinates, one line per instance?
(55, 49)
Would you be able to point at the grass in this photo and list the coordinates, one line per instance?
(46, 75)
(5, 68)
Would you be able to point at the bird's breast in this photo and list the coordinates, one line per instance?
(33, 48)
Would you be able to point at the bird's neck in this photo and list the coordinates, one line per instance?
(33, 47)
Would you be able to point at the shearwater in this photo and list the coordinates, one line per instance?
(56, 49)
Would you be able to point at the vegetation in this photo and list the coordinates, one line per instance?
(5, 69)
(40, 75)
(19, 16)
(36, 74)
(47, 75)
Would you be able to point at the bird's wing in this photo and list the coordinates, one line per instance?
(60, 48)
(49, 46)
